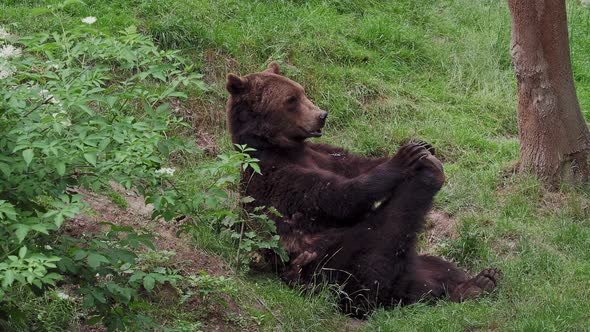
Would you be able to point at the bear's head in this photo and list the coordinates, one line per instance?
(268, 110)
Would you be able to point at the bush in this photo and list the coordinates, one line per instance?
(81, 108)
(212, 202)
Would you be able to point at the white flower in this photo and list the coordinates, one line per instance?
(89, 20)
(66, 122)
(3, 33)
(52, 66)
(5, 71)
(62, 295)
(47, 96)
(9, 51)
(169, 171)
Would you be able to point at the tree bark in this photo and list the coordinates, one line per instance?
(554, 139)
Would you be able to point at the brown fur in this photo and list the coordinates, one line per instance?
(331, 227)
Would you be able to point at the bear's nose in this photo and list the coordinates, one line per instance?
(323, 115)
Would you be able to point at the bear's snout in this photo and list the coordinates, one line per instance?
(323, 115)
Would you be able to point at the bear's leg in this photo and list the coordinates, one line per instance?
(435, 278)
(375, 262)
(379, 253)
(402, 216)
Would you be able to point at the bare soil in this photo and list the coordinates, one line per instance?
(439, 226)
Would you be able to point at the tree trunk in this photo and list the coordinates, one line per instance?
(554, 139)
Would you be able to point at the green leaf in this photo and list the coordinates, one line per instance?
(99, 296)
(146, 242)
(80, 254)
(162, 147)
(94, 320)
(95, 259)
(61, 168)
(136, 276)
(90, 157)
(158, 277)
(36, 283)
(256, 168)
(118, 137)
(53, 276)
(88, 301)
(8, 279)
(148, 282)
(5, 169)
(212, 202)
(59, 219)
(247, 199)
(39, 11)
(40, 228)
(162, 107)
(7, 211)
(28, 155)
(178, 94)
(21, 232)
(22, 252)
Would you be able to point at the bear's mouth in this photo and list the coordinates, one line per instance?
(312, 133)
(315, 133)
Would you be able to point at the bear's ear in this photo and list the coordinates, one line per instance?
(273, 67)
(235, 84)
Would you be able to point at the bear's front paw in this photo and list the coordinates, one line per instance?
(431, 171)
(292, 273)
(408, 156)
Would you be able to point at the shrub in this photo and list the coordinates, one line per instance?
(81, 108)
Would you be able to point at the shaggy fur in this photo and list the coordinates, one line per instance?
(346, 220)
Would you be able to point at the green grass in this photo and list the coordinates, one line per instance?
(388, 71)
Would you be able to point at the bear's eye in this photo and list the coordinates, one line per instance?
(291, 100)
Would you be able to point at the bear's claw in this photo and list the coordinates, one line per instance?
(409, 154)
(427, 146)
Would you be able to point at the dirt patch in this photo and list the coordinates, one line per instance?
(440, 40)
(353, 325)
(201, 114)
(507, 245)
(553, 201)
(439, 226)
(217, 65)
(188, 260)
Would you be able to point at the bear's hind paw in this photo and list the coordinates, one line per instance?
(484, 282)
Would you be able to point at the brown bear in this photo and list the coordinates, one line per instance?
(346, 220)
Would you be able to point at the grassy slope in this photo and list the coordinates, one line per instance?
(387, 71)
